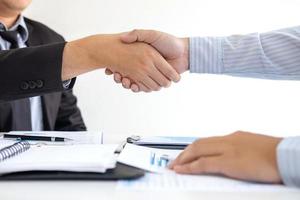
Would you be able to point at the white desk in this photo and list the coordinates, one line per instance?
(89, 190)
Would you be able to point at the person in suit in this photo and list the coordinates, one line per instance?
(53, 111)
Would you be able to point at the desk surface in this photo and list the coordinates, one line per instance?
(77, 190)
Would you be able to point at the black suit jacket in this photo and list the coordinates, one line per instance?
(32, 71)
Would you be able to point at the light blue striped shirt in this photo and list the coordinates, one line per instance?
(270, 55)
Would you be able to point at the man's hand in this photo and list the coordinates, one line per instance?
(140, 62)
(174, 50)
(240, 155)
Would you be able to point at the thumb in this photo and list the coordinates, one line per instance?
(128, 37)
(139, 35)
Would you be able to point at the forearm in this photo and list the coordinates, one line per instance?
(37, 70)
(84, 55)
(288, 160)
(272, 55)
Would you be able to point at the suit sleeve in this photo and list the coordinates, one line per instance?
(69, 117)
(31, 71)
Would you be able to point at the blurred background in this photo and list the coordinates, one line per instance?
(202, 105)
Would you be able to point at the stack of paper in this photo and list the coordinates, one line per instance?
(76, 158)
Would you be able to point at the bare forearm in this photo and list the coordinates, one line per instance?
(84, 55)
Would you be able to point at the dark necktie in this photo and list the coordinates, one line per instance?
(21, 114)
(11, 37)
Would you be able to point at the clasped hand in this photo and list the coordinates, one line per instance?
(169, 51)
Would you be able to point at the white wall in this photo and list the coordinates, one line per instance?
(199, 104)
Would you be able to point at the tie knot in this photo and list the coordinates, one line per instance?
(10, 36)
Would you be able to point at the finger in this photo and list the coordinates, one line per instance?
(126, 83)
(203, 165)
(139, 35)
(117, 77)
(151, 84)
(167, 70)
(108, 71)
(196, 150)
(159, 78)
(143, 87)
(134, 87)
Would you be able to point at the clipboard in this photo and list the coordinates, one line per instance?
(162, 142)
(120, 172)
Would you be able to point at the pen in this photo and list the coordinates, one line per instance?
(36, 137)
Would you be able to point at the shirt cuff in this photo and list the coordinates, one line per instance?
(288, 161)
(206, 55)
(66, 84)
(69, 84)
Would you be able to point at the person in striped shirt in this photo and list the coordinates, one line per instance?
(241, 155)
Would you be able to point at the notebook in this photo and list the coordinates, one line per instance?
(22, 157)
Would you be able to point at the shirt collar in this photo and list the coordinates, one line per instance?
(20, 25)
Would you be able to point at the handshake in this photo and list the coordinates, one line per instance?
(142, 60)
(164, 56)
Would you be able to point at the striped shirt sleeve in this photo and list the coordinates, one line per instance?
(270, 55)
(288, 160)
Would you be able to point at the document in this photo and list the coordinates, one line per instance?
(150, 159)
(160, 178)
(172, 181)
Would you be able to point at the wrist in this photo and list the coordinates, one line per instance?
(87, 54)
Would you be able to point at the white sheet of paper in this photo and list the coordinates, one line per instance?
(142, 157)
(172, 181)
(78, 137)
